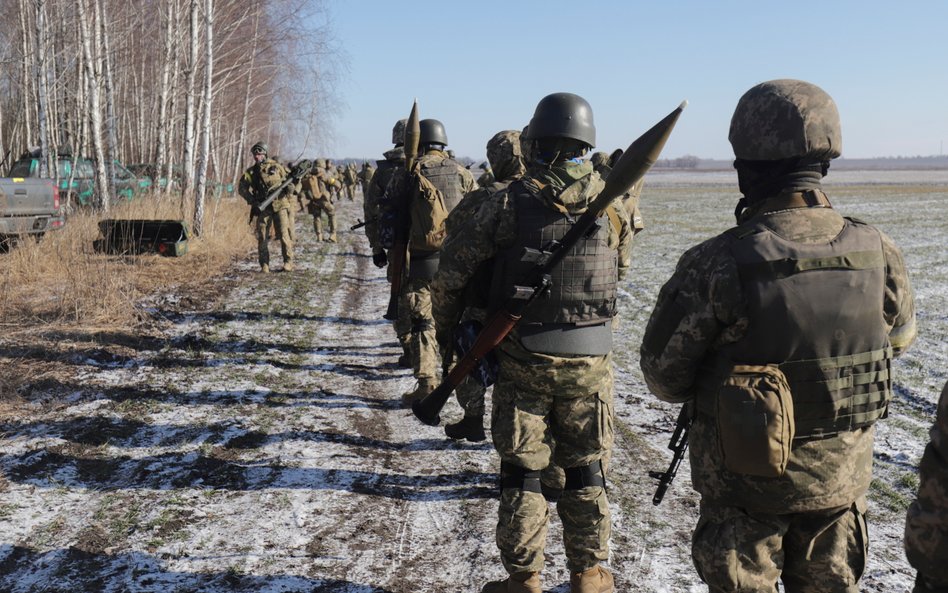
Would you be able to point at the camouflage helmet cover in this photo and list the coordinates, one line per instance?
(784, 119)
(260, 147)
(563, 115)
(398, 132)
(505, 155)
(599, 158)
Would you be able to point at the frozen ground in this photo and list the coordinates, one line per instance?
(261, 445)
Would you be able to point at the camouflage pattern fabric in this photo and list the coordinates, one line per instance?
(738, 550)
(486, 178)
(281, 221)
(365, 178)
(539, 396)
(926, 526)
(701, 308)
(377, 185)
(320, 202)
(426, 360)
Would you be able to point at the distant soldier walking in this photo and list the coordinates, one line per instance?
(316, 188)
(779, 335)
(256, 183)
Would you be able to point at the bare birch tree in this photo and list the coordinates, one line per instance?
(204, 151)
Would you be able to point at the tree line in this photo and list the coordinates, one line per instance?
(183, 84)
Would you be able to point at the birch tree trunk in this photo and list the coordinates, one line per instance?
(42, 87)
(101, 200)
(206, 118)
(106, 74)
(189, 120)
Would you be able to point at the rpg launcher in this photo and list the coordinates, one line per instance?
(297, 173)
(398, 255)
(631, 167)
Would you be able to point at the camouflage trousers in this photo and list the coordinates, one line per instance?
(282, 221)
(525, 422)
(317, 209)
(424, 346)
(402, 325)
(824, 551)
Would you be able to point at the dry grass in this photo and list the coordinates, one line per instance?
(60, 286)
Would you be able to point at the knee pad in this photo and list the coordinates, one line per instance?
(421, 325)
(519, 478)
(584, 476)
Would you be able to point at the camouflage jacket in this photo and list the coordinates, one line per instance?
(702, 308)
(262, 178)
(926, 527)
(478, 238)
(394, 159)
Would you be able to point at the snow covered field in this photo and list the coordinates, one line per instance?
(261, 445)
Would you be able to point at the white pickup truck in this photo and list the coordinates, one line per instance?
(28, 207)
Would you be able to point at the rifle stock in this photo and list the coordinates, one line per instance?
(631, 167)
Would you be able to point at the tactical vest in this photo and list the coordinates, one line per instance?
(816, 310)
(575, 316)
(445, 177)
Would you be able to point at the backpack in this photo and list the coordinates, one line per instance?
(428, 212)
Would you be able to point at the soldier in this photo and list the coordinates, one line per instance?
(350, 178)
(436, 173)
(779, 333)
(394, 161)
(503, 150)
(487, 177)
(365, 178)
(555, 366)
(317, 185)
(926, 527)
(256, 183)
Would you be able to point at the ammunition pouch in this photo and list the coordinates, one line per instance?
(585, 476)
(519, 478)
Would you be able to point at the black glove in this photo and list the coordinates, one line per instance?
(379, 259)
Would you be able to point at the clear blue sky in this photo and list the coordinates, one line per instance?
(481, 67)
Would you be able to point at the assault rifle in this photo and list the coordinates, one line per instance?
(632, 166)
(361, 223)
(678, 445)
(398, 255)
(299, 170)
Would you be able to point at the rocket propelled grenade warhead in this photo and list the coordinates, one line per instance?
(412, 136)
(639, 157)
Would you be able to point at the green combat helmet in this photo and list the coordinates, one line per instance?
(398, 132)
(260, 148)
(432, 132)
(786, 119)
(563, 115)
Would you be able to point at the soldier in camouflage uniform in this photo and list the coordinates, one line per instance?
(394, 160)
(779, 333)
(255, 184)
(453, 181)
(349, 179)
(503, 150)
(926, 527)
(316, 185)
(556, 365)
(487, 177)
(365, 178)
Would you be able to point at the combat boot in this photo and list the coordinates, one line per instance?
(518, 582)
(332, 237)
(288, 266)
(470, 428)
(265, 268)
(595, 580)
(425, 386)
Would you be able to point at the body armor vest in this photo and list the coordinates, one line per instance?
(816, 310)
(575, 316)
(445, 177)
